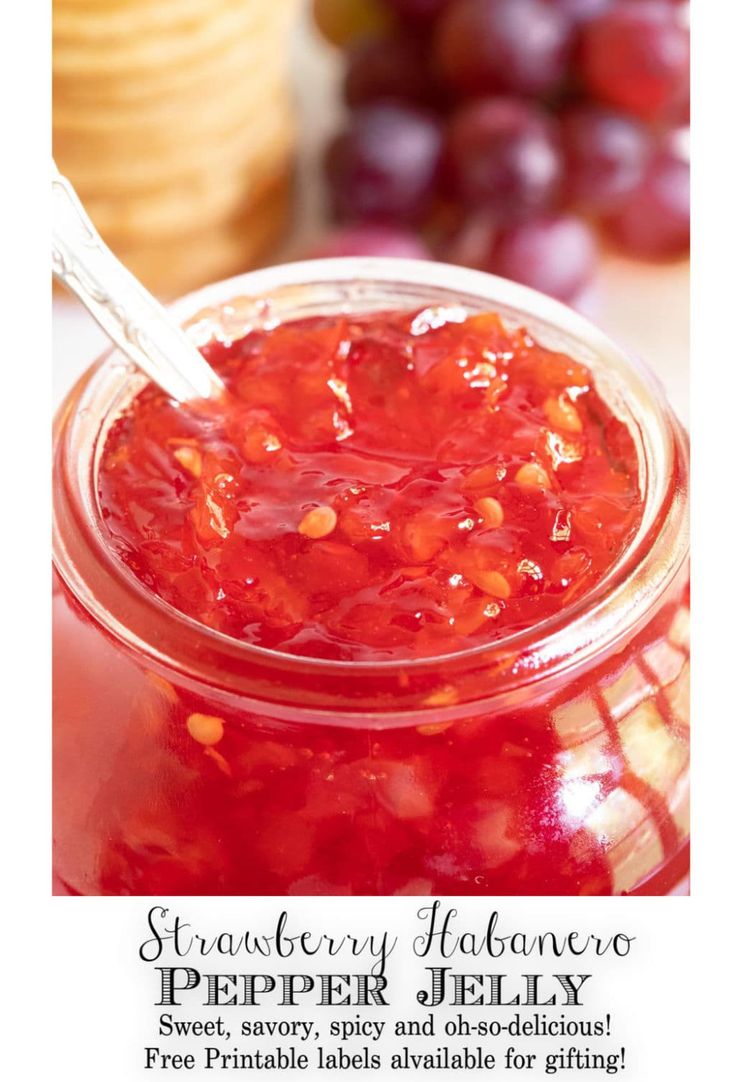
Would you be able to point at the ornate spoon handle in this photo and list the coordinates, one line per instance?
(136, 322)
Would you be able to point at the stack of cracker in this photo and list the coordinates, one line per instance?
(173, 120)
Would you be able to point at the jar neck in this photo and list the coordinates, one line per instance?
(501, 673)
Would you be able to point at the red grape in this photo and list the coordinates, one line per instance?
(503, 46)
(375, 239)
(388, 66)
(555, 254)
(654, 221)
(417, 9)
(607, 76)
(636, 57)
(384, 166)
(606, 153)
(581, 10)
(504, 154)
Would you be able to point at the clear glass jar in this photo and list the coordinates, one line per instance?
(554, 761)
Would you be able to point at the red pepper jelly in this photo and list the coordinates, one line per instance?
(406, 613)
(393, 485)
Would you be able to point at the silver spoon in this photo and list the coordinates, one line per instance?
(138, 325)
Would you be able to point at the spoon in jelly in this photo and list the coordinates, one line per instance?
(135, 321)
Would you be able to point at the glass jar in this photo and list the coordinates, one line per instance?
(554, 761)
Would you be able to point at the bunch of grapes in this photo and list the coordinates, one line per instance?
(511, 135)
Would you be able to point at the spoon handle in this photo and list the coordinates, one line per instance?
(138, 325)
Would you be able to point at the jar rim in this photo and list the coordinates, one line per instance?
(127, 610)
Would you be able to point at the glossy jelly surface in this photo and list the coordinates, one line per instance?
(387, 486)
(378, 488)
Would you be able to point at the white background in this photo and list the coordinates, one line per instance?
(649, 994)
(74, 995)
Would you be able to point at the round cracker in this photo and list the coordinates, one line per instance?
(112, 165)
(199, 197)
(213, 110)
(195, 258)
(131, 53)
(224, 69)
